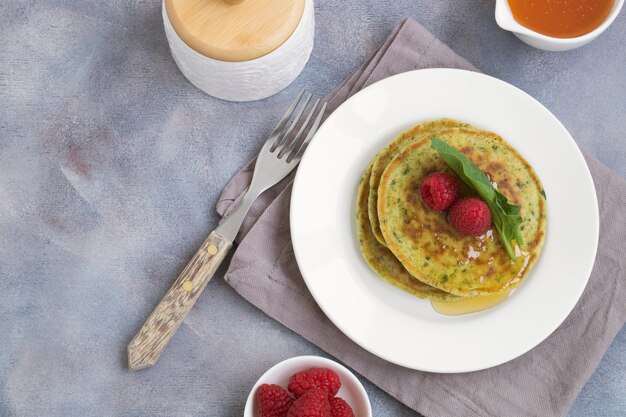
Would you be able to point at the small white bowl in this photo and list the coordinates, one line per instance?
(351, 389)
(505, 19)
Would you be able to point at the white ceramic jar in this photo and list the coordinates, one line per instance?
(246, 80)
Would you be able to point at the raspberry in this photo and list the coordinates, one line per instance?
(313, 403)
(322, 378)
(340, 408)
(470, 216)
(439, 190)
(273, 401)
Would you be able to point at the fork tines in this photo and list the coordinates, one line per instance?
(285, 141)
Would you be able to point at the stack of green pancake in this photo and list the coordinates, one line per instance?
(413, 247)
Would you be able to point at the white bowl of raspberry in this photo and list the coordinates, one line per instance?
(290, 387)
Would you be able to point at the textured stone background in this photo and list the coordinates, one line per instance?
(110, 167)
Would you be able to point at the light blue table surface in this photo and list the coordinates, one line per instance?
(110, 167)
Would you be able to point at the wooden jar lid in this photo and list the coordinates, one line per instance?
(234, 30)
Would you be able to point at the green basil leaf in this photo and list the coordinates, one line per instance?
(505, 216)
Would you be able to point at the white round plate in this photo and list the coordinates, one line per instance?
(387, 321)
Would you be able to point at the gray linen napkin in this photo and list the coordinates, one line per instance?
(543, 382)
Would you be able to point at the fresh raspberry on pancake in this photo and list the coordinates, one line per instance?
(439, 190)
(470, 216)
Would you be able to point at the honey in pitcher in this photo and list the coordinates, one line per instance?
(561, 18)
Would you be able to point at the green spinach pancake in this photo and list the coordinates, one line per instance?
(380, 259)
(432, 250)
(384, 157)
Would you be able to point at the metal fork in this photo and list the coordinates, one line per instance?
(280, 154)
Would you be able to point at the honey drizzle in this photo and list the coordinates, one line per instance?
(470, 304)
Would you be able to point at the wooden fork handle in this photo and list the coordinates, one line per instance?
(146, 347)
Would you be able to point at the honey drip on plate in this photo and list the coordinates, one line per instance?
(470, 304)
